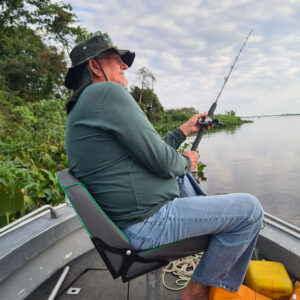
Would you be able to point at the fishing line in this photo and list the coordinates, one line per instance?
(207, 121)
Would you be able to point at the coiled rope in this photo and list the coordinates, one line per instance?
(183, 268)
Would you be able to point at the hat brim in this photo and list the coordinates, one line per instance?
(74, 73)
(127, 56)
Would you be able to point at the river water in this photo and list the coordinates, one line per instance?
(261, 158)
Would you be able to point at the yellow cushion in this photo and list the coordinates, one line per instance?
(269, 278)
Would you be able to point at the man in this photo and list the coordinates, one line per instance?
(139, 179)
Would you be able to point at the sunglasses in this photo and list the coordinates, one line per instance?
(115, 58)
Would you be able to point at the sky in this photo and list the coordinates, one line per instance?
(189, 46)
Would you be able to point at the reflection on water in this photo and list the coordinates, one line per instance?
(229, 129)
(261, 158)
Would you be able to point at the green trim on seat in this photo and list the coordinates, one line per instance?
(77, 183)
(91, 197)
(161, 246)
(73, 205)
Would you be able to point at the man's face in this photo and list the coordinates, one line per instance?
(114, 67)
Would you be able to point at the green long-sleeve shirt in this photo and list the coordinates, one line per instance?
(115, 151)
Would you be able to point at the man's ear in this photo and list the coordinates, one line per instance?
(94, 67)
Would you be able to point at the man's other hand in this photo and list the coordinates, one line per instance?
(193, 156)
(192, 125)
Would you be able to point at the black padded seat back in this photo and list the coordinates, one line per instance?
(93, 218)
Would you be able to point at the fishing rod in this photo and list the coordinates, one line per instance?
(207, 121)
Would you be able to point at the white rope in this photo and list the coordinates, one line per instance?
(183, 268)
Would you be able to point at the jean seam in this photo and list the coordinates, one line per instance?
(246, 244)
(218, 284)
(222, 218)
(242, 250)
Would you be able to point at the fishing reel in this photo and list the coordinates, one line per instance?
(208, 121)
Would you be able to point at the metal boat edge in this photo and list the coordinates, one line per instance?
(34, 248)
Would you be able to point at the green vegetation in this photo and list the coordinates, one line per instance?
(34, 37)
(32, 101)
(148, 102)
(171, 121)
(31, 152)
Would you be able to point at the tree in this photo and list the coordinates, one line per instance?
(185, 110)
(230, 113)
(52, 20)
(153, 79)
(149, 102)
(29, 67)
(85, 35)
(34, 36)
(145, 77)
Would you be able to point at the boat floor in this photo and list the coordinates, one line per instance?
(89, 274)
(89, 279)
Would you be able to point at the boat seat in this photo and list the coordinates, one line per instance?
(112, 244)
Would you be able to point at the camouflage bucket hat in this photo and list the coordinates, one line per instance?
(87, 50)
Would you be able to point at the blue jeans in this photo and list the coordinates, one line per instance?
(232, 220)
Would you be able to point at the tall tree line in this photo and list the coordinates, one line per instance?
(35, 36)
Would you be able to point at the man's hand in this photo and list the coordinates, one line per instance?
(192, 125)
(193, 156)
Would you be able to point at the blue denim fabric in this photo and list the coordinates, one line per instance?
(232, 220)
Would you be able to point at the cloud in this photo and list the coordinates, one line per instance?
(189, 46)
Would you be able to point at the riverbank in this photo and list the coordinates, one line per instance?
(168, 123)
